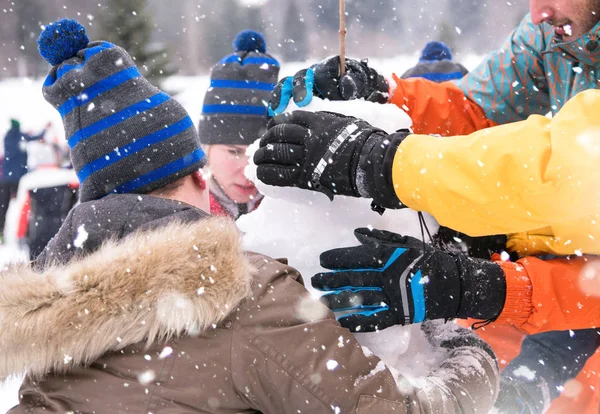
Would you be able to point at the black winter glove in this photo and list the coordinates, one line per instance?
(391, 279)
(323, 80)
(330, 153)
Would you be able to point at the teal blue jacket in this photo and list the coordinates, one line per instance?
(533, 73)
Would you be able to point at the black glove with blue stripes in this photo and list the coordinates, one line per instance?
(330, 153)
(323, 80)
(391, 279)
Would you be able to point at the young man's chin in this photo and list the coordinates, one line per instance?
(243, 194)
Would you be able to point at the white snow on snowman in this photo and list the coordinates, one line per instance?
(299, 225)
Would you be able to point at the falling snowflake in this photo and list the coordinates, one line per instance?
(165, 352)
(146, 377)
(524, 372)
(81, 236)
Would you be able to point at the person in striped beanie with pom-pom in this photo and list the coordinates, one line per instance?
(436, 64)
(125, 135)
(234, 116)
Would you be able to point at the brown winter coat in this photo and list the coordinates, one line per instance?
(178, 319)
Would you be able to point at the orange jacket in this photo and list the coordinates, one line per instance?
(552, 295)
(535, 180)
(437, 108)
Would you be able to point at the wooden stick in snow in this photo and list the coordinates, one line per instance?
(342, 37)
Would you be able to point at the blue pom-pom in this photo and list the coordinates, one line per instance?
(250, 41)
(62, 40)
(436, 51)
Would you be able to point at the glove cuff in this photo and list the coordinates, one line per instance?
(379, 87)
(374, 170)
(518, 305)
(483, 288)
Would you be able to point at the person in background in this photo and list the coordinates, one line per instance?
(14, 165)
(436, 64)
(45, 196)
(233, 116)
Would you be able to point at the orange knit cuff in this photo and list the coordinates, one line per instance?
(517, 306)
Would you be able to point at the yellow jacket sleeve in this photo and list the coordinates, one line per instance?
(510, 178)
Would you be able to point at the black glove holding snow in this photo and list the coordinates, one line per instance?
(394, 280)
(330, 153)
(323, 80)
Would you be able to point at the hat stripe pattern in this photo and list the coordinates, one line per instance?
(260, 110)
(125, 134)
(130, 149)
(114, 119)
(66, 68)
(194, 157)
(97, 89)
(234, 110)
(243, 84)
(252, 60)
(439, 77)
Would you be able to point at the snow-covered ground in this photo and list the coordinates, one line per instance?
(25, 102)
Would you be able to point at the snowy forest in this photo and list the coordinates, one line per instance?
(300, 206)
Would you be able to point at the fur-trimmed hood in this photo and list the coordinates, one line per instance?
(151, 285)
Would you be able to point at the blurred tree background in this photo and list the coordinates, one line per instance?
(130, 24)
(188, 36)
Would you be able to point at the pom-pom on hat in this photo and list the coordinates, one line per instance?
(436, 51)
(235, 104)
(249, 41)
(62, 40)
(125, 135)
(436, 64)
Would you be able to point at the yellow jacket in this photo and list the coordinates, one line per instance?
(537, 180)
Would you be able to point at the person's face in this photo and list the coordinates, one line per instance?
(227, 163)
(571, 18)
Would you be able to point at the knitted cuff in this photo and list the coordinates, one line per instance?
(517, 306)
(374, 170)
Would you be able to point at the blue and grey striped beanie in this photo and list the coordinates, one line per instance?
(436, 64)
(235, 104)
(125, 135)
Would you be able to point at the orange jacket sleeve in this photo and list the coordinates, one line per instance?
(551, 295)
(437, 108)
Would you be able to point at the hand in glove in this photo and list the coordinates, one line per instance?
(323, 80)
(391, 279)
(330, 153)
